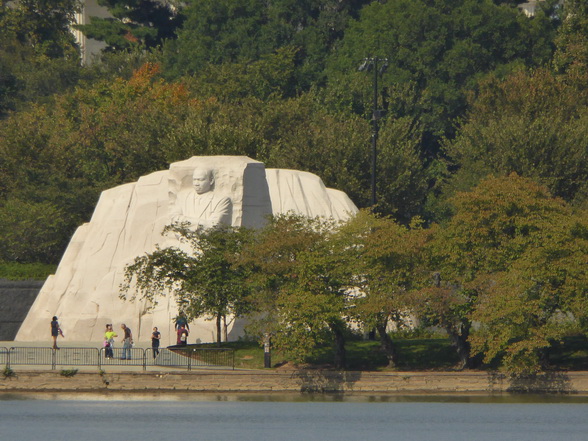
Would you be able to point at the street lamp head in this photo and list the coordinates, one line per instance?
(366, 66)
(383, 68)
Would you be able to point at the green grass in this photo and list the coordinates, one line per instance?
(248, 354)
(26, 271)
(414, 354)
(571, 353)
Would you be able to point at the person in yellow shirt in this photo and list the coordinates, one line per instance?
(109, 336)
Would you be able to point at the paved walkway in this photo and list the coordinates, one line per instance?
(63, 343)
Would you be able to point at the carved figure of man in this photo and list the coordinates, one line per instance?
(202, 206)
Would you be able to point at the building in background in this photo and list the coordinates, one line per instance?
(88, 46)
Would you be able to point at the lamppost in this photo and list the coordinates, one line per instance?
(371, 64)
(378, 66)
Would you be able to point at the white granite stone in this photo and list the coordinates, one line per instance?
(127, 222)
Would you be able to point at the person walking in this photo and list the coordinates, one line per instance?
(127, 342)
(182, 336)
(155, 337)
(55, 331)
(180, 321)
(109, 337)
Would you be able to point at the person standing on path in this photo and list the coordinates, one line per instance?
(109, 337)
(55, 331)
(155, 337)
(181, 320)
(182, 336)
(127, 342)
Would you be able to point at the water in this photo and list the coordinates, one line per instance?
(257, 417)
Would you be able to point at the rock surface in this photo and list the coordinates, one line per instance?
(127, 222)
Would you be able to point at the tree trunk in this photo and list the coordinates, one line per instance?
(225, 331)
(340, 353)
(387, 345)
(218, 329)
(459, 339)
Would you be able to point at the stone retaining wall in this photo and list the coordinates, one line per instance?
(16, 298)
(296, 381)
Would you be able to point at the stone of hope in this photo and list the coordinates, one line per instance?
(128, 222)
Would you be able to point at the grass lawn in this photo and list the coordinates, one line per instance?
(414, 354)
(570, 354)
(26, 271)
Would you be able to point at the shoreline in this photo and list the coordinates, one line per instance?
(294, 381)
(296, 397)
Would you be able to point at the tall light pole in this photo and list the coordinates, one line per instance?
(378, 66)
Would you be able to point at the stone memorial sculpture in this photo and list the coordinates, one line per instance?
(128, 222)
(200, 206)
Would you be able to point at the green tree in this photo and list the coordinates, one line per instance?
(203, 280)
(242, 31)
(571, 55)
(532, 124)
(43, 25)
(437, 51)
(38, 53)
(449, 307)
(382, 262)
(513, 251)
(298, 293)
(21, 238)
(269, 77)
(87, 141)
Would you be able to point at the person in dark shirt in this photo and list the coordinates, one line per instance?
(127, 342)
(55, 331)
(155, 337)
(180, 321)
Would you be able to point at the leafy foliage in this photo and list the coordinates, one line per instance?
(106, 135)
(243, 31)
(437, 51)
(38, 54)
(531, 124)
(21, 238)
(571, 55)
(198, 275)
(298, 294)
(516, 252)
(381, 263)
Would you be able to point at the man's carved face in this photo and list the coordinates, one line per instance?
(202, 181)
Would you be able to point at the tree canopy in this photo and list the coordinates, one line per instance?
(516, 255)
(436, 52)
(199, 274)
(237, 31)
(38, 53)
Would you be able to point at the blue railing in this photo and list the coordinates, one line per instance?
(185, 358)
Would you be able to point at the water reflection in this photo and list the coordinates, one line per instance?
(298, 397)
(287, 417)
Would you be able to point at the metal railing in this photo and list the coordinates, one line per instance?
(186, 358)
(3, 356)
(200, 357)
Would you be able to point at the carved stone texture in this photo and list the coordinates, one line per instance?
(128, 221)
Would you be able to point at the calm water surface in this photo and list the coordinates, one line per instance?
(305, 418)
